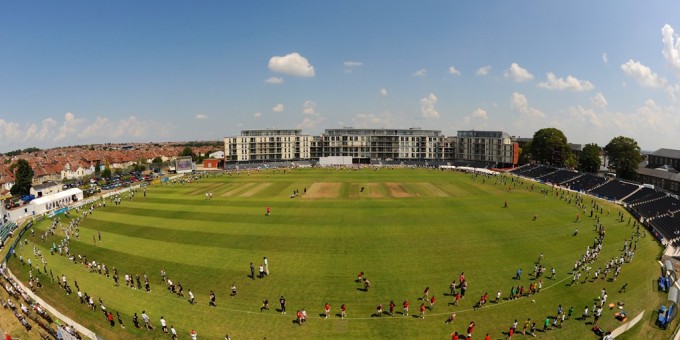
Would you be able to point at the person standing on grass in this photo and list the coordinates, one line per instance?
(252, 271)
(282, 302)
(422, 310)
(392, 305)
(265, 305)
(120, 321)
(343, 311)
(266, 266)
(212, 299)
(471, 328)
(327, 310)
(433, 300)
(261, 271)
(233, 289)
(405, 305)
(191, 297)
(426, 294)
(173, 332)
(135, 320)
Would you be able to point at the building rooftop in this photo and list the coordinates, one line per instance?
(668, 153)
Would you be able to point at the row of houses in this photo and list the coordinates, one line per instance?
(77, 162)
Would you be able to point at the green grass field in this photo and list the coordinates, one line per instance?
(408, 229)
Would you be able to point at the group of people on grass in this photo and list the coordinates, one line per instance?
(457, 290)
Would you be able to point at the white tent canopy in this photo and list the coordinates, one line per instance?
(58, 200)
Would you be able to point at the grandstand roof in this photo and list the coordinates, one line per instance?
(659, 173)
(668, 153)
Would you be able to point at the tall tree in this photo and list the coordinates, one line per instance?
(549, 146)
(624, 155)
(590, 158)
(23, 178)
(188, 152)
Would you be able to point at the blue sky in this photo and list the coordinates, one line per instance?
(81, 72)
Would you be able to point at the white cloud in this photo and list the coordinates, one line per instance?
(454, 71)
(599, 100)
(73, 130)
(310, 122)
(278, 108)
(9, 131)
(571, 83)
(46, 129)
(309, 108)
(257, 114)
(371, 120)
(480, 113)
(351, 63)
(517, 73)
(484, 70)
(420, 73)
(605, 59)
(274, 80)
(427, 109)
(201, 116)
(383, 92)
(582, 114)
(642, 74)
(293, 64)
(98, 128)
(69, 128)
(520, 104)
(671, 47)
(477, 114)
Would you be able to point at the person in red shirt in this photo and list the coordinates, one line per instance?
(392, 305)
(471, 328)
(488, 337)
(327, 309)
(343, 311)
(455, 302)
(462, 277)
(422, 311)
(299, 317)
(359, 277)
(433, 300)
(454, 336)
(406, 304)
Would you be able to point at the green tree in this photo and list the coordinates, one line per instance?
(524, 154)
(624, 155)
(549, 146)
(107, 172)
(23, 178)
(571, 161)
(188, 152)
(590, 158)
